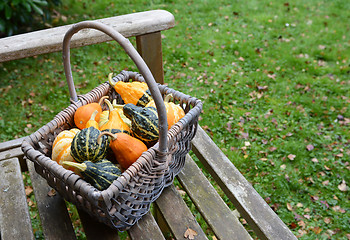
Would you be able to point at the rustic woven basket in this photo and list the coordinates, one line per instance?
(129, 197)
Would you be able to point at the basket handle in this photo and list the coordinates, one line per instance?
(137, 59)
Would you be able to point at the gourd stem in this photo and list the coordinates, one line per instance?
(80, 166)
(116, 105)
(102, 100)
(168, 97)
(109, 104)
(93, 115)
(110, 80)
(113, 136)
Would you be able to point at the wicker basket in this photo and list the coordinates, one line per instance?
(129, 197)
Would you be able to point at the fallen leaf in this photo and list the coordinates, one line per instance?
(302, 224)
(316, 230)
(309, 147)
(271, 149)
(325, 183)
(51, 193)
(291, 156)
(289, 207)
(327, 220)
(190, 234)
(28, 190)
(342, 187)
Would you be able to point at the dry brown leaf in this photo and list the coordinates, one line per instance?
(51, 193)
(291, 156)
(310, 147)
(342, 187)
(316, 230)
(327, 220)
(289, 207)
(28, 190)
(190, 234)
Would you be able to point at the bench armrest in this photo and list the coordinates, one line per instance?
(50, 40)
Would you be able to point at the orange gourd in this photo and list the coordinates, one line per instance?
(61, 146)
(135, 92)
(83, 114)
(174, 111)
(126, 148)
(115, 122)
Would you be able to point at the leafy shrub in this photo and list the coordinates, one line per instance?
(18, 16)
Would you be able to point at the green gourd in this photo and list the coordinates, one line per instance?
(144, 122)
(87, 146)
(100, 174)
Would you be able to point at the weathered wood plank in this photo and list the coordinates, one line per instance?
(53, 213)
(177, 215)
(263, 220)
(14, 214)
(50, 40)
(209, 203)
(11, 153)
(96, 230)
(150, 48)
(11, 144)
(146, 228)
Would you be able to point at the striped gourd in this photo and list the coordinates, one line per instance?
(144, 122)
(135, 92)
(87, 146)
(100, 174)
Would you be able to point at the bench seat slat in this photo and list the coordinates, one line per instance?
(14, 218)
(50, 40)
(177, 215)
(53, 212)
(215, 211)
(263, 220)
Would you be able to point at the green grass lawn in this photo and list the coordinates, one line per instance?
(274, 79)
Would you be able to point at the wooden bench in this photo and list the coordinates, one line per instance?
(170, 213)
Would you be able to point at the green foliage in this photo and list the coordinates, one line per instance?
(19, 16)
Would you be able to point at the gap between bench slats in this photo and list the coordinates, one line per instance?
(55, 220)
(263, 220)
(14, 218)
(177, 215)
(209, 203)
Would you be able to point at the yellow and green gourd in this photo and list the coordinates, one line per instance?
(135, 92)
(115, 123)
(87, 146)
(144, 122)
(100, 174)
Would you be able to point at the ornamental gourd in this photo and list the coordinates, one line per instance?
(115, 122)
(174, 112)
(92, 122)
(119, 107)
(104, 114)
(61, 147)
(144, 122)
(100, 174)
(126, 148)
(134, 92)
(83, 114)
(87, 146)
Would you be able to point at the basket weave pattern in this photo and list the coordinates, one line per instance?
(129, 197)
